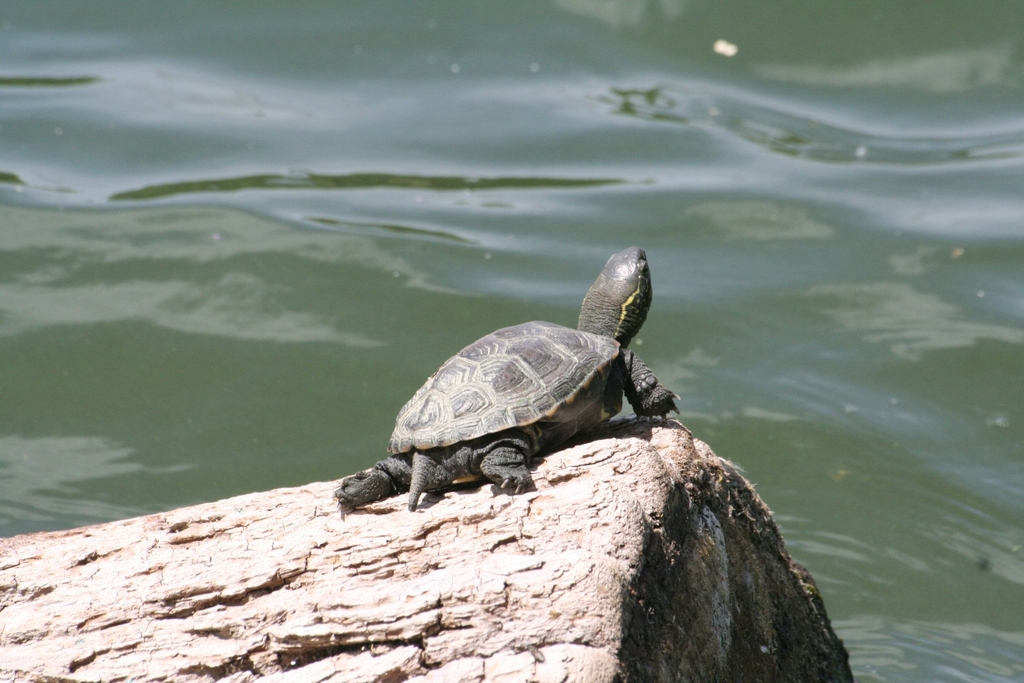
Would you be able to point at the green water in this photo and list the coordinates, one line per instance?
(235, 237)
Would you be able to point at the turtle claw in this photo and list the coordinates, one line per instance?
(514, 483)
(517, 484)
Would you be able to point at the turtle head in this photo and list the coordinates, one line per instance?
(616, 305)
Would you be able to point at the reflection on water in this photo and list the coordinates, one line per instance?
(911, 322)
(620, 13)
(38, 478)
(676, 373)
(916, 263)
(747, 412)
(890, 649)
(188, 235)
(239, 304)
(760, 220)
(837, 546)
(756, 413)
(943, 72)
(1000, 551)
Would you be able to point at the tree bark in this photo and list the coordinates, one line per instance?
(640, 556)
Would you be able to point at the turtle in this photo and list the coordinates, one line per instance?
(520, 391)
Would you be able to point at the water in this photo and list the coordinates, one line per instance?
(235, 238)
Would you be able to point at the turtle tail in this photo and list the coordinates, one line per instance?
(427, 474)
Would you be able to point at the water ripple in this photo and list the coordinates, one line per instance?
(51, 289)
(392, 228)
(802, 136)
(887, 649)
(354, 181)
(39, 477)
(45, 81)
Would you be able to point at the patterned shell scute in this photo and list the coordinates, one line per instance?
(510, 378)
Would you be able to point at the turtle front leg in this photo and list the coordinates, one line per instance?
(387, 478)
(643, 390)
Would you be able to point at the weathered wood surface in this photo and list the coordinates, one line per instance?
(641, 556)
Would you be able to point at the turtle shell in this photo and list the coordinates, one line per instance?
(511, 378)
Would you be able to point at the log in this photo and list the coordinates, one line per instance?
(640, 556)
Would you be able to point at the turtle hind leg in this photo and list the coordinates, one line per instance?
(505, 462)
(502, 458)
(501, 467)
(387, 478)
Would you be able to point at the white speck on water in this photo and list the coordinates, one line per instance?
(455, 68)
(216, 236)
(998, 421)
(487, 255)
(860, 152)
(725, 48)
(58, 131)
(419, 199)
(981, 295)
(714, 111)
